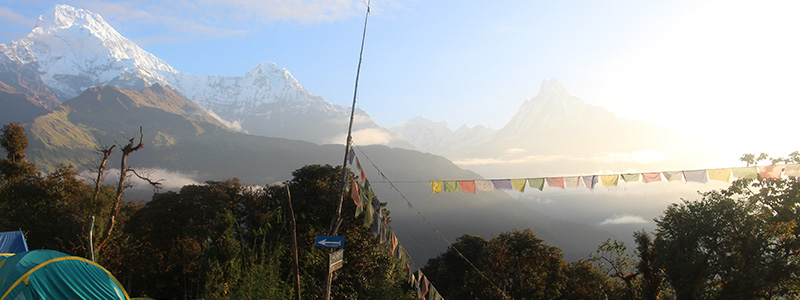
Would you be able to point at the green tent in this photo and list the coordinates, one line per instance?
(48, 274)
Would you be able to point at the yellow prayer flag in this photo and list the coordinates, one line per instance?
(609, 180)
(792, 170)
(720, 174)
(519, 184)
(436, 187)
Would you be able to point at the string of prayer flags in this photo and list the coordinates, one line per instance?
(589, 181)
(700, 176)
(467, 186)
(484, 185)
(572, 181)
(745, 172)
(519, 184)
(651, 177)
(502, 184)
(673, 175)
(720, 174)
(773, 171)
(609, 180)
(555, 182)
(630, 177)
(436, 187)
(536, 183)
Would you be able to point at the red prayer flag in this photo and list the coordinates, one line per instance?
(555, 182)
(467, 186)
(651, 177)
(770, 171)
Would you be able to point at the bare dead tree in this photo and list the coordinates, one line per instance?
(121, 186)
(101, 172)
(101, 168)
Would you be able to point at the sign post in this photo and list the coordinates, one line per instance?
(335, 260)
(330, 241)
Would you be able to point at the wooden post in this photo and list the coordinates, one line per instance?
(294, 243)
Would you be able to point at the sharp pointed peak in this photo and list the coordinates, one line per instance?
(65, 16)
(552, 88)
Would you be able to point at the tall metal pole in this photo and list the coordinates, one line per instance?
(337, 219)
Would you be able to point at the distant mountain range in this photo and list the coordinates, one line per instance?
(77, 83)
(181, 137)
(72, 49)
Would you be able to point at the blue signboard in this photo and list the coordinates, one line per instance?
(330, 241)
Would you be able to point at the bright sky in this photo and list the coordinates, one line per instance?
(729, 69)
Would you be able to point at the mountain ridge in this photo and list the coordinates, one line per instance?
(73, 49)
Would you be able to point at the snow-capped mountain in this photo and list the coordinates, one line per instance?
(437, 137)
(74, 49)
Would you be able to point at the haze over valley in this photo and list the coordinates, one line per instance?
(76, 84)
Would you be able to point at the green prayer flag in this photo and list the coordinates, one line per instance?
(536, 183)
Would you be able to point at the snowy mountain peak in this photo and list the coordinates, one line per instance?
(552, 89)
(64, 16)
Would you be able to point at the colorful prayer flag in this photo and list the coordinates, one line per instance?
(502, 184)
(700, 176)
(720, 174)
(392, 242)
(609, 180)
(467, 186)
(773, 171)
(572, 181)
(555, 182)
(537, 183)
(484, 185)
(354, 194)
(436, 187)
(589, 181)
(673, 175)
(451, 186)
(519, 184)
(745, 172)
(631, 177)
(651, 177)
(351, 155)
(792, 170)
(360, 170)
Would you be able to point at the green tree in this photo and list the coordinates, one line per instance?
(651, 276)
(519, 265)
(14, 141)
(612, 256)
(737, 243)
(587, 282)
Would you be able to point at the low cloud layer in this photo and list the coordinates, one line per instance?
(624, 219)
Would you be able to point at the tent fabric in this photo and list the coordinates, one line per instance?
(48, 274)
(12, 242)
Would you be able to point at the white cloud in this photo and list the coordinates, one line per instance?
(624, 219)
(363, 137)
(646, 156)
(11, 17)
(169, 180)
(234, 125)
